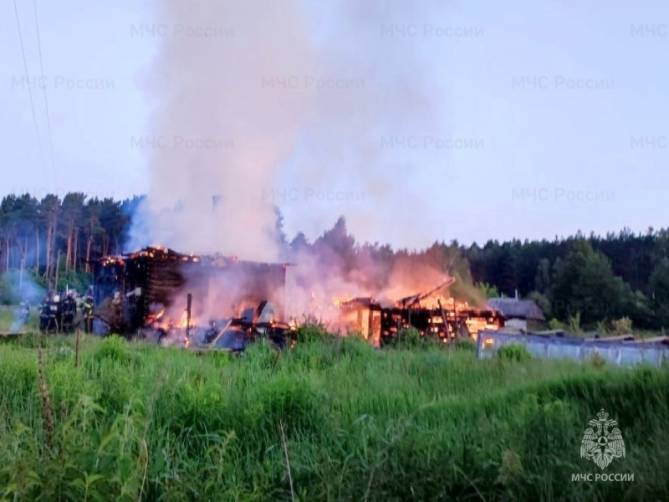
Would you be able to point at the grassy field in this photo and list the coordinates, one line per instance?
(6, 317)
(332, 419)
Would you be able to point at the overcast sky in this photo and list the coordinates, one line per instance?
(552, 115)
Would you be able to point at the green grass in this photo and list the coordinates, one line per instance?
(142, 422)
(6, 317)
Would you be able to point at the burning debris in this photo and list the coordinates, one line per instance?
(431, 313)
(216, 301)
(233, 334)
(159, 292)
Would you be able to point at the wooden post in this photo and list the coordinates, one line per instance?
(189, 304)
(444, 318)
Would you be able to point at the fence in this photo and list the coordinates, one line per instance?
(557, 347)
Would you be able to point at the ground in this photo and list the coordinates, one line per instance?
(331, 419)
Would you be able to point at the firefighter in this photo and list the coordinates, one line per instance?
(56, 309)
(69, 311)
(50, 314)
(44, 315)
(87, 308)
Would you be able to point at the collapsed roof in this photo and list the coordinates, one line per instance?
(513, 308)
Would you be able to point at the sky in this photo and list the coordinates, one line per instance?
(478, 120)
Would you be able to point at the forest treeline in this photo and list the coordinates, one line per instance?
(56, 240)
(580, 280)
(590, 278)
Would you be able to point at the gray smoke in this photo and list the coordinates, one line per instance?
(248, 95)
(19, 287)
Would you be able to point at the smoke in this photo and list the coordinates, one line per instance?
(294, 104)
(315, 279)
(356, 156)
(334, 269)
(250, 97)
(18, 286)
(221, 289)
(217, 134)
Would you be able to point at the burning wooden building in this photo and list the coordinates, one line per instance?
(431, 313)
(133, 289)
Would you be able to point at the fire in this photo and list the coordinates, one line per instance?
(445, 302)
(155, 318)
(183, 321)
(412, 296)
(340, 300)
(434, 313)
(159, 320)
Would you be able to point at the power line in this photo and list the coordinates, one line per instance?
(44, 94)
(27, 80)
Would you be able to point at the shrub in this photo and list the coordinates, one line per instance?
(78, 281)
(513, 352)
(601, 328)
(408, 338)
(622, 326)
(555, 324)
(312, 332)
(464, 344)
(574, 323)
(114, 348)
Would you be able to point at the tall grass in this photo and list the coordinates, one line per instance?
(333, 416)
(6, 317)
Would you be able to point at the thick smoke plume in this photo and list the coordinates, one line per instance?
(253, 97)
(217, 135)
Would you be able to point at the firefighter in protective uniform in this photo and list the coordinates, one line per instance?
(87, 308)
(69, 312)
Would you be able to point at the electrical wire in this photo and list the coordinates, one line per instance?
(27, 80)
(44, 93)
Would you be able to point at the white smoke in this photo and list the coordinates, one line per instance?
(249, 94)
